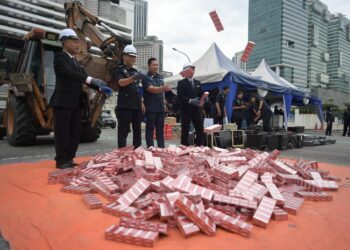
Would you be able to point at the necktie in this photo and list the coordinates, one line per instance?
(192, 83)
(76, 63)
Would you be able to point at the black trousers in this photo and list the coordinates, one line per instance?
(67, 128)
(219, 120)
(238, 121)
(125, 118)
(329, 128)
(346, 128)
(155, 120)
(266, 117)
(197, 119)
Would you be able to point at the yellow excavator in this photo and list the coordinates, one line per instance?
(27, 68)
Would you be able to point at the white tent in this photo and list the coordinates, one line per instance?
(264, 72)
(213, 66)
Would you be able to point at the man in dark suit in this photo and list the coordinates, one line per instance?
(67, 98)
(189, 93)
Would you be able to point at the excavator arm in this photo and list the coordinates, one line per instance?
(82, 21)
(85, 25)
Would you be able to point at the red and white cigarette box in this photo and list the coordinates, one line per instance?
(131, 236)
(232, 224)
(134, 192)
(195, 215)
(279, 214)
(263, 214)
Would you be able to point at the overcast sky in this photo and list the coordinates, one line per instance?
(186, 25)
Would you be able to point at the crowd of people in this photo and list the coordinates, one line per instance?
(246, 110)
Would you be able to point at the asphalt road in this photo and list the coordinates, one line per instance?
(338, 153)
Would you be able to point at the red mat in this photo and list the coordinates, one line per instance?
(35, 215)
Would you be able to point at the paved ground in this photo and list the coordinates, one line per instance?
(44, 149)
(338, 154)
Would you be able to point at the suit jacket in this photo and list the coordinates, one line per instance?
(70, 78)
(185, 92)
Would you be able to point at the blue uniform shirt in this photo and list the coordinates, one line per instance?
(153, 102)
(129, 97)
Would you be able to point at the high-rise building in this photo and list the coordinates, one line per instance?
(17, 17)
(339, 50)
(148, 47)
(237, 60)
(304, 43)
(318, 54)
(279, 29)
(140, 19)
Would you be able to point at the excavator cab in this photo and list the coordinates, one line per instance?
(32, 81)
(31, 86)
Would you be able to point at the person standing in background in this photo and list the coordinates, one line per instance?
(220, 106)
(238, 110)
(346, 121)
(265, 113)
(329, 120)
(251, 113)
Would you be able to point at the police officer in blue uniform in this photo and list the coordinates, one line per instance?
(129, 107)
(153, 87)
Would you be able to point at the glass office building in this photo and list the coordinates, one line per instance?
(318, 55)
(280, 30)
(302, 41)
(339, 50)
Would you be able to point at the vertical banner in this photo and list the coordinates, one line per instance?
(247, 51)
(216, 20)
(230, 99)
(287, 103)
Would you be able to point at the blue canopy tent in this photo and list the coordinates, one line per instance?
(215, 70)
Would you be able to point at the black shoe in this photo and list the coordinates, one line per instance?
(343, 135)
(63, 165)
(73, 164)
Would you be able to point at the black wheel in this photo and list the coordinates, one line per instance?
(21, 123)
(89, 134)
(113, 126)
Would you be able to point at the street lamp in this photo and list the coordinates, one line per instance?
(183, 54)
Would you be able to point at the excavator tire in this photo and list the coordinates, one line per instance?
(91, 134)
(21, 123)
